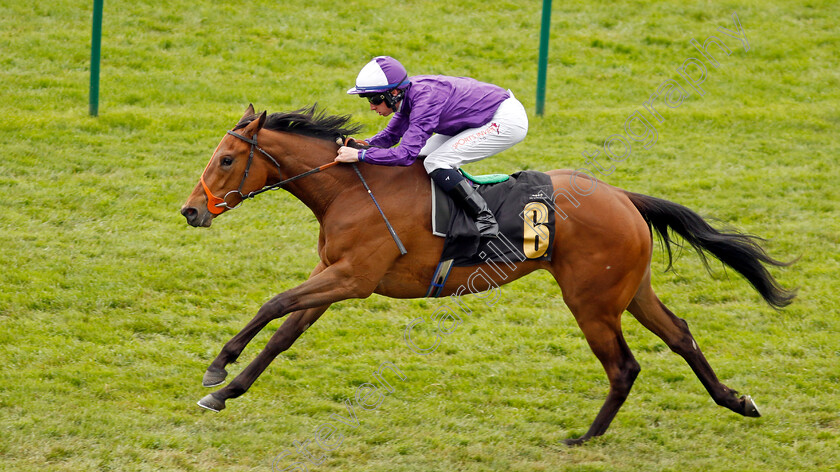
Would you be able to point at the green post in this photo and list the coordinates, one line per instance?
(543, 64)
(95, 52)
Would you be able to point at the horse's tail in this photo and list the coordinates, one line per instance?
(739, 251)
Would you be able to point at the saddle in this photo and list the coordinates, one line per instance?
(521, 204)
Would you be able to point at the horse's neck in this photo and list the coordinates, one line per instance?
(298, 154)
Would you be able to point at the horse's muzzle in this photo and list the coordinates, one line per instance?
(197, 216)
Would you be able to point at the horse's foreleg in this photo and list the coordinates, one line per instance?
(308, 301)
(655, 316)
(283, 338)
(216, 373)
(603, 333)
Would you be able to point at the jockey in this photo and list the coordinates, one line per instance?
(449, 120)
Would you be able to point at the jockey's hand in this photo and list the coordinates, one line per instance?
(347, 154)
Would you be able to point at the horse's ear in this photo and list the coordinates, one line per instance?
(254, 126)
(261, 121)
(250, 111)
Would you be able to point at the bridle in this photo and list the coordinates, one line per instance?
(216, 205)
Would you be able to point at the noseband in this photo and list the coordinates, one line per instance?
(216, 205)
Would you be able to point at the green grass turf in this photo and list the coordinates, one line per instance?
(111, 307)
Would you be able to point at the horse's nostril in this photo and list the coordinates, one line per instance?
(189, 213)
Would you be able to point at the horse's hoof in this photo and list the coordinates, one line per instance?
(212, 403)
(213, 377)
(750, 408)
(574, 442)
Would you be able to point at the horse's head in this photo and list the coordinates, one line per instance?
(234, 170)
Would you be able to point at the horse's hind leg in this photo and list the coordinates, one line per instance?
(655, 316)
(602, 328)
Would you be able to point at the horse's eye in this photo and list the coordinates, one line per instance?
(227, 161)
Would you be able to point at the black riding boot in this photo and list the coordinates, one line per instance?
(470, 200)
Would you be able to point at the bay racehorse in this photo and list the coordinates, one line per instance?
(601, 250)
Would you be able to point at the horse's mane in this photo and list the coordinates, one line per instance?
(308, 121)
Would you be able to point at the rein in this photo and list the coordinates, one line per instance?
(216, 205)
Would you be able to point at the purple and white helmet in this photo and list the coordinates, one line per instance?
(381, 74)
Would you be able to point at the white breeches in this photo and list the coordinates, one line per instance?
(508, 126)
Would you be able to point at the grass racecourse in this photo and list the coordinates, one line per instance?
(111, 307)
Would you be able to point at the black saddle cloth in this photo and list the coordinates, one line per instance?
(509, 201)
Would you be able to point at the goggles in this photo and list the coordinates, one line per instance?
(375, 99)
